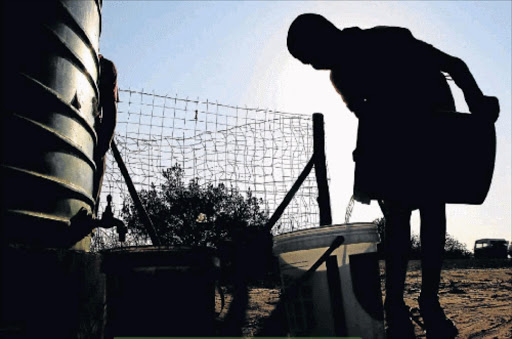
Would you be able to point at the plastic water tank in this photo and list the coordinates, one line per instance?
(50, 72)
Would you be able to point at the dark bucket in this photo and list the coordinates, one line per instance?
(49, 76)
(159, 291)
(448, 157)
(466, 146)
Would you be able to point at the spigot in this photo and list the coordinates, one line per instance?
(84, 222)
(108, 221)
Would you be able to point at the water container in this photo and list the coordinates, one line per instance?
(344, 301)
(160, 291)
(447, 157)
(50, 73)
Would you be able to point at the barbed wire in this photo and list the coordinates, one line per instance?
(253, 149)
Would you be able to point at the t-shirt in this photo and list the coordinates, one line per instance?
(387, 69)
(392, 82)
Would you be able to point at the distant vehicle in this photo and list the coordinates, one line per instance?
(491, 248)
(510, 250)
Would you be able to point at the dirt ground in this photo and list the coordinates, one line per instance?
(476, 295)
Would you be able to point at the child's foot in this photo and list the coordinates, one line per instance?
(437, 325)
(399, 324)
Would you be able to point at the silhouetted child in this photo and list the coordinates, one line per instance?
(394, 83)
(106, 119)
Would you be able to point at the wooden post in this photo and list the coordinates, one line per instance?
(146, 220)
(324, 200)
(289, 196)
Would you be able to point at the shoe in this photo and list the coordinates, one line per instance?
(399, 323)
(437, 325)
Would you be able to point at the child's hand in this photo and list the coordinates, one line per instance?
(486, 107)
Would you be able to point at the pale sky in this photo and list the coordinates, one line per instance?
(235, 52)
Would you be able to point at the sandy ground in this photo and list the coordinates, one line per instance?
(479, 301)
(477, 296)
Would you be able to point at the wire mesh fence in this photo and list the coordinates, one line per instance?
(247, 148)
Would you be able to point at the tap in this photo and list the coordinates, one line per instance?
(84, 222)
(108, 221)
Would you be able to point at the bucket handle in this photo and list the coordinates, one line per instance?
(273, 324)
(293, 288)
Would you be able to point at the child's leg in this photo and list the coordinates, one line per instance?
(397, 247)
(432, 234)
(397, 244)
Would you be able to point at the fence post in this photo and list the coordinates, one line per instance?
(146, 220)
(324, 200)
(289, 196)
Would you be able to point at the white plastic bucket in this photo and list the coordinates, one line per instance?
(355, 312)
